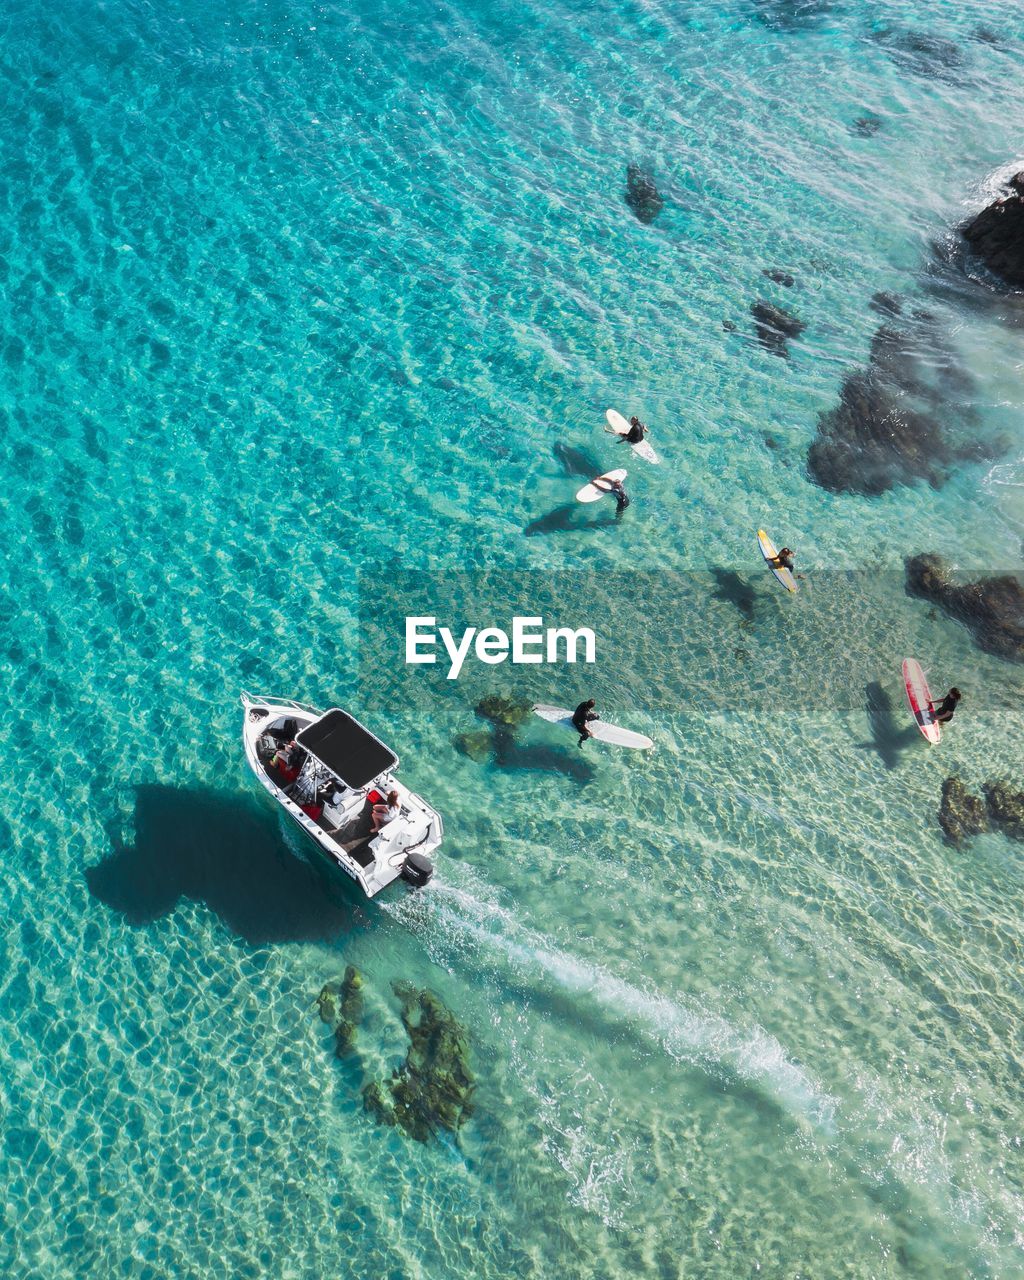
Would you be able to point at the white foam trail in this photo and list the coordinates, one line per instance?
(693, 1036)
(884, 1139)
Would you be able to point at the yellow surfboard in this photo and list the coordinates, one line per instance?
(769, 551)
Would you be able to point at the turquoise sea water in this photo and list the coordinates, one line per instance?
(301, 298)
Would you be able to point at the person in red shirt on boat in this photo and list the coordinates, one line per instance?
(287, 760)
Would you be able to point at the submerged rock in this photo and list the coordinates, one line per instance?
(378, 1103)
(775, 326)
(885, 430)
(996, 235)
(505, 711)
(992, 609)
(340, 1005)
(642, 195)
(1005, 808)
(478, 745)
(352, 995)
(922, 52)
(792, 15)
(779, 277)
(432, 1088)
(886, 304)
(345, 1034)
(866, 126)
(327, 1003)
(870, 442)
(961, 814)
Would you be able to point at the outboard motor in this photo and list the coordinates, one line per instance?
(417, 869)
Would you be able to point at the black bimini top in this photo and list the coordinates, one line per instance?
(351, 752)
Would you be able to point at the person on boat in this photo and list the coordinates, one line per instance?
(287, 760)
(385, 812)
(943, 709)
(581, 717)
(621, 497)
(637, 431)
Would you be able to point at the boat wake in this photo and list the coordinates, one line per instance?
(897, 1152)
(456, 925)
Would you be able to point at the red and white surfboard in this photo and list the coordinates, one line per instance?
(920, 699)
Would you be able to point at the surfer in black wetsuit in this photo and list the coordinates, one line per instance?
(784, 560)
(636, 432)
(581, 716)
(943, 710)
(621, 497)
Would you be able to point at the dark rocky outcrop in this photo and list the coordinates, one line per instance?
(1005, 808)
(775, 326)
(961, 814)
(433, 1087)
(922, 52)
(778, 276)
(642, 195)
(992, 609)
(996, 235)
(901, 418)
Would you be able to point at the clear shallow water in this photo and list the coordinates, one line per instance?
(292, 294)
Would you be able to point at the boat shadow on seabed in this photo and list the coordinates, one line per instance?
(223, 851)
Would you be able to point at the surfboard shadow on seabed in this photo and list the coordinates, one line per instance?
(567, 519)
(889, 737)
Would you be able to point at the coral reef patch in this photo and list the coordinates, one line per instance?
(887, 429)
(963, 814)
(642, 196)
(340, 1005)
(433, 1088)
(775, 327)
(509, 712)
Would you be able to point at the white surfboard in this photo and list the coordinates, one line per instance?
(602, 485)
(620, 427)
(602, 732)
(769, 551)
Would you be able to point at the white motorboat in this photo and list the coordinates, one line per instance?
(337, 780)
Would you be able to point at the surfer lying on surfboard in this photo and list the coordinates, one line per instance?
(581, 716)
(943, 710)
